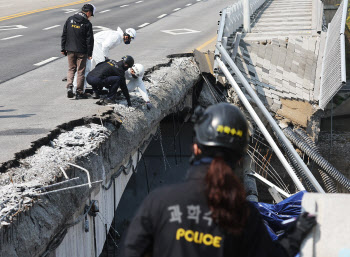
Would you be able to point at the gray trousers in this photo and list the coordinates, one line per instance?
(76, 63)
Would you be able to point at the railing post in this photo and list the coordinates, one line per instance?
(246, 16)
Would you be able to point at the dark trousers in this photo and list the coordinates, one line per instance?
(76, 63)
(112, 83)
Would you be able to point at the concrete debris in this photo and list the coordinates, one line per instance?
(43, 167)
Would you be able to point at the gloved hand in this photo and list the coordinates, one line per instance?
(305, 223)
(296, 233)
(149, 105)
(106, 58)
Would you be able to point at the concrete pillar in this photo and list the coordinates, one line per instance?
(246, 16)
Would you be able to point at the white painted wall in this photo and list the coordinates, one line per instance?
(79, 243)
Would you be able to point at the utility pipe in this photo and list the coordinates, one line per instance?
(265, 181)
(267, 115)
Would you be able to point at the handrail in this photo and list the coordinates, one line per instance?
(267, 115)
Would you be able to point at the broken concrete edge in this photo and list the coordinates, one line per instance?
(45, 217)
(35, 145)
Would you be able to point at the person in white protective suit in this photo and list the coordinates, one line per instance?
(135, 75)
(103, 42)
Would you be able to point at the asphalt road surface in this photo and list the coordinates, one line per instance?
(30, 41)
(34, 103)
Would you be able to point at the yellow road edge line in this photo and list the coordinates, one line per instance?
(209, 63)
(40, 10)
(206, 43)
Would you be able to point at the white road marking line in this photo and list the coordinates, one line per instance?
(188, 4)
(138, 2)
(46, 61)
(180, 31)
(161, 16)
(105, 11)
(6, 38)
(70, 10)
(6, 5)
(143, 25)
(125, 5)
(12, 27)
(176, 9)
(51, 27)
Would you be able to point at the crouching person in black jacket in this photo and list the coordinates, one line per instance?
(208, 215)
(110, 74)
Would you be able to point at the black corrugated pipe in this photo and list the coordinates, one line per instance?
(322, 162)
(298, 170)
(329, 183)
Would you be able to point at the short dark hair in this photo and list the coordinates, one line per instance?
(88, 8)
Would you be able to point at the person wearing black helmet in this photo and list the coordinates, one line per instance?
(208, 215)
(110, 74)
(77, 43)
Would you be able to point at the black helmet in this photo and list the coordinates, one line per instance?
(127, 59)
(221, 125)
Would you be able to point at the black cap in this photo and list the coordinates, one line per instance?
(87, 8)
(128, 60)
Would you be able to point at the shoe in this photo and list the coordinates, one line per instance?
(95, 95)
(70, 93)
(81, 96)
(109, 101)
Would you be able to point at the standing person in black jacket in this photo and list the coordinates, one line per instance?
(208, 214)
(110, 74)
(77, 42)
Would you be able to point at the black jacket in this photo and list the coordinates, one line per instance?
(110, 68)
(78, 35)
(175, 221)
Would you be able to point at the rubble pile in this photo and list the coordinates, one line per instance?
(43, 168)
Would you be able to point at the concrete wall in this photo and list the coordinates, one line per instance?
(77, 242)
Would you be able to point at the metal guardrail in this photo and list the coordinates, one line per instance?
(232, 18)
(268, 116)
(333, 75)
(317, 15)
(235, 15)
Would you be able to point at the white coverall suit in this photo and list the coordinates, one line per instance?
(133, 83)
(103, 42)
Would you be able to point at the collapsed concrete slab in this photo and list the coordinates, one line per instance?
(37, 215)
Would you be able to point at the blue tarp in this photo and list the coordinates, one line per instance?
(275, 214)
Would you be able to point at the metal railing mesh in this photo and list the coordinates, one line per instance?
(333, 67)
(234, 15)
